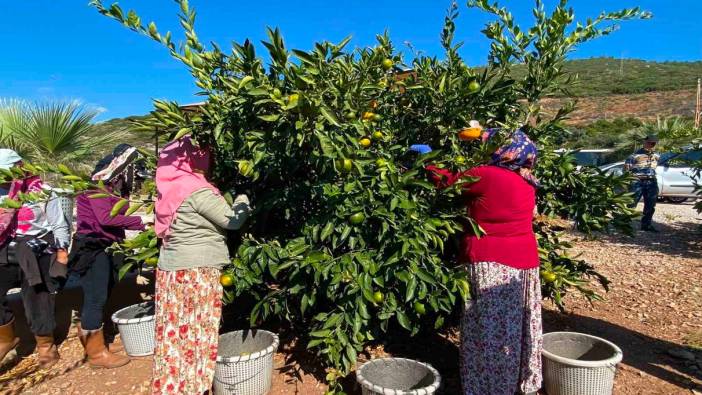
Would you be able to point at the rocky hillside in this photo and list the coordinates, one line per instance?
(644, 106)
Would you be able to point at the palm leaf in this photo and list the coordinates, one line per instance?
(54, 132)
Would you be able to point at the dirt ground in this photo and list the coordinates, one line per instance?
(653, 311)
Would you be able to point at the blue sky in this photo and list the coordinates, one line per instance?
(65, 50)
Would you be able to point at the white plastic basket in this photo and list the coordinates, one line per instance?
(137, 328)
(398, 376)
(245, 362)
(579, 364)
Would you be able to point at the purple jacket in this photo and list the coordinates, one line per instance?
(94, 219)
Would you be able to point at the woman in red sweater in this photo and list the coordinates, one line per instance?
(501, 326)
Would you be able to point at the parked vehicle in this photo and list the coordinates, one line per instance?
(589, 157)
(676, 180)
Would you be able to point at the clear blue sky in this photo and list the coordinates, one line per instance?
(65, 50)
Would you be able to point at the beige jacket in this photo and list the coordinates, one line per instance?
(198, 232)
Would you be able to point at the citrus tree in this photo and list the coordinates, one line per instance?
(348, 238)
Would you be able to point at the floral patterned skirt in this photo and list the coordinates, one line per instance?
(501, 333)
(188, 311)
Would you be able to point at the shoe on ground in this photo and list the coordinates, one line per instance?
(97, 354)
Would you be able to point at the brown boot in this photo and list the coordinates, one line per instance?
(8, 341)
(47, 350)
(112, 347)
(97, 353)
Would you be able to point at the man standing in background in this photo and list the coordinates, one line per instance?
(642, 165)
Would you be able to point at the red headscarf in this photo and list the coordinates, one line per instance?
(177, 179)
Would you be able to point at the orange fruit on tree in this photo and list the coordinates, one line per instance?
(365, 142)
(226, 279)
(368, 116)
(469, 134)
(374, 104)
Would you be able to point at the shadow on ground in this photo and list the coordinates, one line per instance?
(677, 238)
(645, 353)
(642, 352)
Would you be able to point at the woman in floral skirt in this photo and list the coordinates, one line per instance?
(191, 219)
(501, 337)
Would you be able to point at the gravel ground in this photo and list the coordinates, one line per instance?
(653, 311)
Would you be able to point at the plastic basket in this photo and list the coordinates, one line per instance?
(579, 364)
(245, 362)
(137, 328)
(397, 376)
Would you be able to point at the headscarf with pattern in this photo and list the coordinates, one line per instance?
(518, 154)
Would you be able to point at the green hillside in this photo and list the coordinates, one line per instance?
(605, 76)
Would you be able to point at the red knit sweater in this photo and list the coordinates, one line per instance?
(502, 203)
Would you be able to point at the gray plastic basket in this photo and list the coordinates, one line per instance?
(245, 362)
(579, 364)
(137, 328)
(397, 376)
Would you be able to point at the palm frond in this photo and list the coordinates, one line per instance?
(54, 132)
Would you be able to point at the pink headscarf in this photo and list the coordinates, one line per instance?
(176, 180)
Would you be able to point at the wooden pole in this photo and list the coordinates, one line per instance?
(698, 105)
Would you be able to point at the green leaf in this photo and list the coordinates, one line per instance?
(181, 133)
(133, 209)
(118, 207)
(124, 270)
(411, 286)
(314, 343)
(439, 322)
(329, 116)
(99, 195)
(245, 81)
(327, 231)
(270, 118)
(403, 320)
(305, 57)
(321, 333)
(351, 354)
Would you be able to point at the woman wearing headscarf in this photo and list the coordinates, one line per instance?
(191, 219)
(41, 239)
(501, 326)
(96, 230)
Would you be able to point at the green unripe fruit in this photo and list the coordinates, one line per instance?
(357, 219)
(474, 86)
